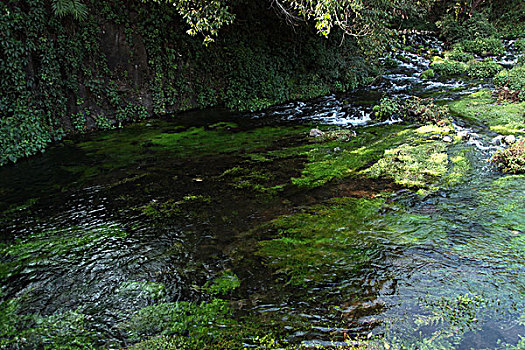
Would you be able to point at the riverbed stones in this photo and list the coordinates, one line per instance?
(316, 133)
(510, 139)
(463, 135)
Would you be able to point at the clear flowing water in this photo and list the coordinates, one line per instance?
(98, 228)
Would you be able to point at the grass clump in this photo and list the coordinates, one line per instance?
(507, 118)
(511, 159)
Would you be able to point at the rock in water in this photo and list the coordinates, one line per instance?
(447, 139)
(316, 133)
(510, 139)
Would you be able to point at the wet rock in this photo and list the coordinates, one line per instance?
(510, 139)
(498, 140)
(316, 133)
(447, 139)
(463, 135)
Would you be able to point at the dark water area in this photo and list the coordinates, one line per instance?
(99, 228)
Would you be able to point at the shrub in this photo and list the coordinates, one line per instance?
(414, 109)
(514, 79)
(454, 30)
(448, 67)
(483, 46)
(520, 44)
(511, 159)
(429, 73)
(483, 69)
(387, 107)
(457, 54)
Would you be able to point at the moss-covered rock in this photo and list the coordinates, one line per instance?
(506, 118)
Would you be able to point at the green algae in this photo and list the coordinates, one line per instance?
(261, 181)
(138, 289)
(413, 166)
(198, 142)
(310, 242)
(18, 209)
(504, 118)
(407, 155)
(27, 252)
(208, 324)
(62, 330)
(224, 284)
(461, 166)
(172, 207)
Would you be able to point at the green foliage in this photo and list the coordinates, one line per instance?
(483, 46)
(78, 120)
(70, 7)
(512, 158)
(447, 67)
(514, 79)
(483, 69)
(387, 108)
(131, 112)
(457, 54)
(414, 109)
(427, 74)
(519, 44)
(205, 17)
(24, 134)
(455, 29)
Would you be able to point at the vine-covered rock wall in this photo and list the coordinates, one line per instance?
(129, 60)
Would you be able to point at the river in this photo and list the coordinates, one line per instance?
(112, 238)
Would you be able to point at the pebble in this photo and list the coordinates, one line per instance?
(316, 133)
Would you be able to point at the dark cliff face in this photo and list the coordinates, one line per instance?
(129, 60)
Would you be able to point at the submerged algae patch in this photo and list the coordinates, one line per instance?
(311, 242)
(413, 166)
(409, 156)
(505, 118)
(45, 245)
(197, 142)
(207, 324)
(63, 330)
